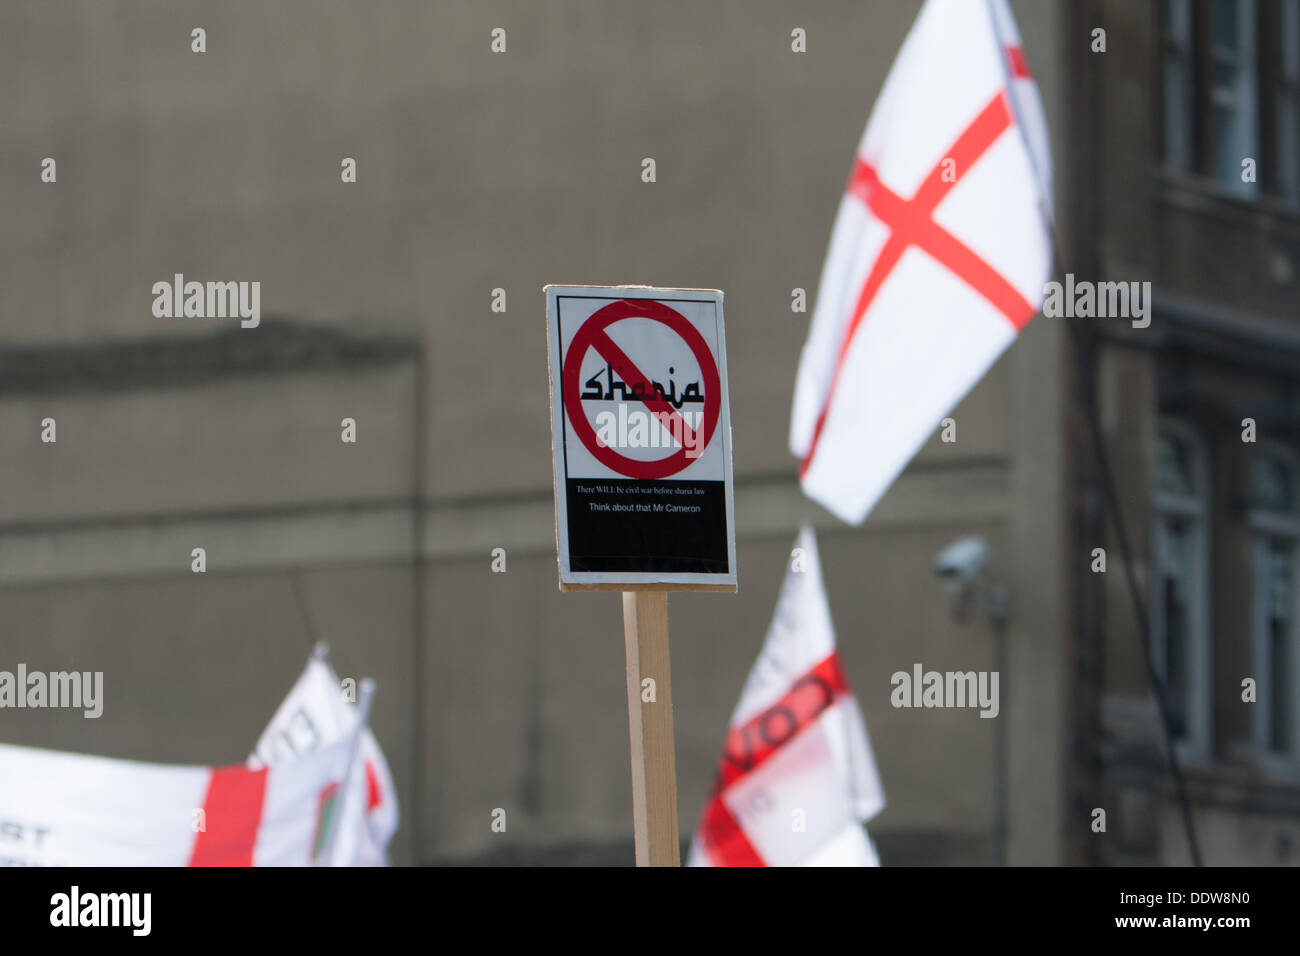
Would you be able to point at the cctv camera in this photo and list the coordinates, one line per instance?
(963, 560)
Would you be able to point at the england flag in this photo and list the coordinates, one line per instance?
(67, 809)
(797, 779)
(938, 258)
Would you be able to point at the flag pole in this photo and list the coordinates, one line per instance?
(300, 601)
(650, 723)
(1104, 472)
(365, 697)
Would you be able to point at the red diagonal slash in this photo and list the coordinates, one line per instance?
(632, 376)
(911, 223)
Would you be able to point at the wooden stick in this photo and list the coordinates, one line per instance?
(654, 765)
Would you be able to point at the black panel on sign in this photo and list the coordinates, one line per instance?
(653, 526)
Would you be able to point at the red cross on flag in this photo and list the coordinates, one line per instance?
(67, 809)
(797, 777)
(938, 258)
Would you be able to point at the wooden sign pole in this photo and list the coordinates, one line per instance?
(614, 528)
(654, 764)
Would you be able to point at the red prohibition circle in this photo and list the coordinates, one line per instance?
(592, 335)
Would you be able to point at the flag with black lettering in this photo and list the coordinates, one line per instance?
(314, 714)
(797, 779)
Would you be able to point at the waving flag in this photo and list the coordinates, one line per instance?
(315, 715)
(938, 258)
(65, 809)
(797, 777)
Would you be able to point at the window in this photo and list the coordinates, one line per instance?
(1275, 519)
(1230, 78)
(1233, 90)
(1288, 102)
(1180, 607)
(1179, 105)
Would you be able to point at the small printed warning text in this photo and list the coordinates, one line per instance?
(672, 507)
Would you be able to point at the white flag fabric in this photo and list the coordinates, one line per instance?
(797, 779)
(313, 715)
(938, 257)
(66, 809)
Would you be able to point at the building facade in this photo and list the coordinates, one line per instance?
(1193, 188)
